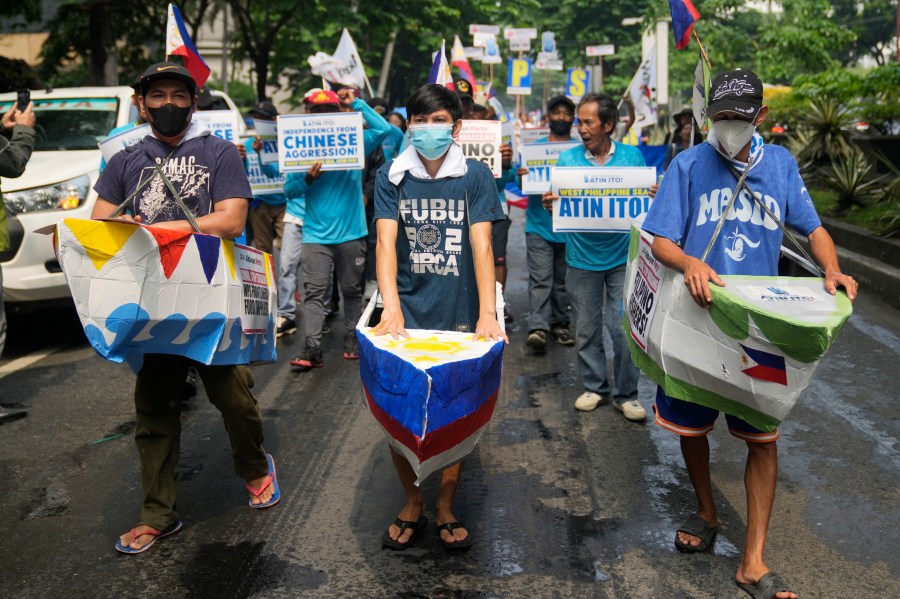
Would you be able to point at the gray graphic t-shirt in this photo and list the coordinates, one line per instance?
(204, 170)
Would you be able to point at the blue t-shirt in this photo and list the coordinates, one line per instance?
(695, 191)
(599, 251)
(334, 207)
(204, 170)
(393, 143)
(435, 263)
(537, 219)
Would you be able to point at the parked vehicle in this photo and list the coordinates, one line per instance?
(58, 183)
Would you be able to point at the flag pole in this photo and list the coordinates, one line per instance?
(702, 49)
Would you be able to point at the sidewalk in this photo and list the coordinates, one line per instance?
(873, 261)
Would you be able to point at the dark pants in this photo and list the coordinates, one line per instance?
(158, 393)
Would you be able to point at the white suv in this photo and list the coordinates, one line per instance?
(58, 182)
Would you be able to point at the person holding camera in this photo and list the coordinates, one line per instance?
(16, 145)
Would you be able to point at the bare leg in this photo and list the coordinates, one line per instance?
(444, 511)
(415, 505)
(695, 451)
(759, 481)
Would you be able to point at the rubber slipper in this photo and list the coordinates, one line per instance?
(387, 541)
(449, 526)
(768, 585)
(270, 479)
(157, 535)
(698, 527)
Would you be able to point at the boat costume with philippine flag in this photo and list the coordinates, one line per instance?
(435, 392)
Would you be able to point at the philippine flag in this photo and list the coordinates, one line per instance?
(179, 43)
(683, 17)
(459, 60)
(514, 196)
(440, 69)
(763, 366)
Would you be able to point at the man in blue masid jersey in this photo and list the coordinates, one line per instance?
(433, 212)
(693, 196)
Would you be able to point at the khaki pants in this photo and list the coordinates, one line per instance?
(268, 226)
(158, 393)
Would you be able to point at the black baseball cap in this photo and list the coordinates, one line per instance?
(737, 91)
(561, 99)
(167, 70)
(463, 86)
(265, 108)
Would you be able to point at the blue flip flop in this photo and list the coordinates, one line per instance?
(157, 535)
(269, 480)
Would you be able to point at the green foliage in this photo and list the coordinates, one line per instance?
(850, 177)
(826, 122)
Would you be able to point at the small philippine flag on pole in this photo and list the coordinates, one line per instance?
(179, 43)
(764, 366)
(440, 69)
(683, 17)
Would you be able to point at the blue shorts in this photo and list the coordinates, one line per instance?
(693, 420)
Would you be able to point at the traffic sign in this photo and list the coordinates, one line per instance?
(578, 81)
(518, 82)
(492, 29)
(528, 33)
(602, 50)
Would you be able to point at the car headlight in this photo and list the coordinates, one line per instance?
(60, 196)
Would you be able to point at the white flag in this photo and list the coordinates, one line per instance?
(346, 52)
(643, 92)
(331, 69)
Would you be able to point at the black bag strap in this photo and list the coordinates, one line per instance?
(758, 199)
(158, 170)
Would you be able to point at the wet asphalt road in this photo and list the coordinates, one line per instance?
(563, 504)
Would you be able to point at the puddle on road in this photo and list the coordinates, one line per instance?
(54, 502)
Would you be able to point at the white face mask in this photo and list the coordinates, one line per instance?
(733, 135)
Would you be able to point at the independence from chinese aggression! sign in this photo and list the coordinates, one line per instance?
(334, 139)
(600, 199)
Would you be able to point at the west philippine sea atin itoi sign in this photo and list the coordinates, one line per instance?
(334, 139)
(600, 199)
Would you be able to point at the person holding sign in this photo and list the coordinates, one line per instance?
(545, 250)
(692, 200)
(597, 268)
(334, 230)
(214, 189)
(434, 210)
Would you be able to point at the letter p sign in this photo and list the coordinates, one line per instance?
(518, 82)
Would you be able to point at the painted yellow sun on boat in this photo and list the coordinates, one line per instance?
(427, 348)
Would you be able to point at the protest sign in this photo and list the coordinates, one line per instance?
(529, 136)
(539, 158)
(110, 146)
(481, 140)
(508, 135)
(221, 123)
(518, 81)
(578, 82)
(267, 131)
(600, 199)
(751, 353)
(260, 184)
(334, 139)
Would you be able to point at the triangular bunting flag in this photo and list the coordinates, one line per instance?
(171, 247)
(208, 246)
(101, 240)
(228, 252)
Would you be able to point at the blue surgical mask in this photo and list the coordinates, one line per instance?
(431, 141)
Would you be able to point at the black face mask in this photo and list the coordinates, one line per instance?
(169, 120)
(560, 127)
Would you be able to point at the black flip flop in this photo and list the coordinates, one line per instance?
(768, 585)
(449, 526)
(697, 527)
(387, 541)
